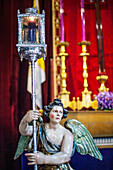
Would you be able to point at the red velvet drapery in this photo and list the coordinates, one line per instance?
(73, 36)
(14, 98)
(9, 82)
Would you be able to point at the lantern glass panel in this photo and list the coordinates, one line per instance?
(31, 30)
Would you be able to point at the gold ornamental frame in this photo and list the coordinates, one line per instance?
(56, 39)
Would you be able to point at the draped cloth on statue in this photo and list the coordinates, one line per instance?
(47, 147)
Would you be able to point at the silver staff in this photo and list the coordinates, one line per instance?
(31, 46)
(33, 107)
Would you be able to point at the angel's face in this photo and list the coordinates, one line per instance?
(56, 114)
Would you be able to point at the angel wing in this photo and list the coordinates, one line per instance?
(23, 141)
(83, 140)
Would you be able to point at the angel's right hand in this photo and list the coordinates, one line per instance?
(31, 115)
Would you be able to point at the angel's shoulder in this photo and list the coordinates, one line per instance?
(67, 132)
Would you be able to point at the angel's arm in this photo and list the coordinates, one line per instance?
(24, 128)
(65, 153)
(58, 158)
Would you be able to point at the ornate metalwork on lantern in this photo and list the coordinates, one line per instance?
(31, 34)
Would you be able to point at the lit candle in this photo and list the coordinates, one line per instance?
(83, 21)
(32, 31)
(62, 20)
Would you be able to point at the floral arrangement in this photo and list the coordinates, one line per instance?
(105, 100)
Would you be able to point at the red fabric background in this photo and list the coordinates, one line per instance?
(73, 36)
(9, 83)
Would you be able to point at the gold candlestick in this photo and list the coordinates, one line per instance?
(86, 95)
(102, 79)
(64, 94)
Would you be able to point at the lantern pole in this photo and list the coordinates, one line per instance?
(32, 48)
(33, 60)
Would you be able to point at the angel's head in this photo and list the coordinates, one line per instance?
(55, 110)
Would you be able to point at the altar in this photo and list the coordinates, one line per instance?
(99, 124)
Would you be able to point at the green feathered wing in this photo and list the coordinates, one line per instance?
(23, 141)
(83, 140)
(22, 144)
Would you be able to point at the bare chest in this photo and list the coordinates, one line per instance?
(55, 136)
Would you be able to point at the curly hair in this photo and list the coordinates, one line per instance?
(56, 102)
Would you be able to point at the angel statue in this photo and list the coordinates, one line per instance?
(55, 143)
